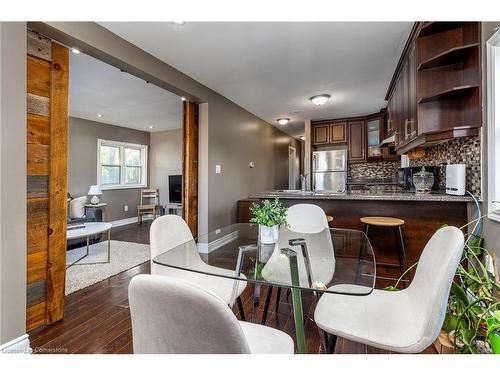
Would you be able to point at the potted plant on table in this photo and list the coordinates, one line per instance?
(269, 214)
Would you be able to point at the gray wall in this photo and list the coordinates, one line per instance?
(165, 158)
(82, 163)
(12, 180)
(491, 229)
(235, 136)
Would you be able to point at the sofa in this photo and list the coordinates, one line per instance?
(76, 215)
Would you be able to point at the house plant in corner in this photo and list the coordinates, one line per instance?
(269, 214)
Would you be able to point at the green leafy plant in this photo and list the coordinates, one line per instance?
(268, 213)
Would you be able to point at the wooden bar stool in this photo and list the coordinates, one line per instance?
(388, 222)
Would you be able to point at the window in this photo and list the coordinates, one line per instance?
(121, 165)
(493, 87)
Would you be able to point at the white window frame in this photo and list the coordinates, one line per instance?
(493, 86)
(122, 146)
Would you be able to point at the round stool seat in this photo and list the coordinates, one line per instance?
(382, 221)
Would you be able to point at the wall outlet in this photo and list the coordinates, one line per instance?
(218, 168)
(125, 208)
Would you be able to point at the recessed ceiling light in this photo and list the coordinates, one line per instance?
(178, 22)
(151, 126)
(75, 51)
(320, 99)
(99, 115)
(283, 121)
(302, 137)
(183, 98)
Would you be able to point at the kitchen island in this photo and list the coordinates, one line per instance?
(423, 215)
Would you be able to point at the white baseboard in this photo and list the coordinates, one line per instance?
(122, 222)
(205, 248)
(20, 345)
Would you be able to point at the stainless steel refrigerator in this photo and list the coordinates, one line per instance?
(330, 170)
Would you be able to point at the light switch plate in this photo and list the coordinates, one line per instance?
(218, 168)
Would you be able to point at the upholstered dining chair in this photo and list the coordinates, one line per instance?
(170, 316)
(170, 231)
(405, 321)
(312, 221)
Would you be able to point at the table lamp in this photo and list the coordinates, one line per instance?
(95, 191)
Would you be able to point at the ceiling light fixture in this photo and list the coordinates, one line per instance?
(283, 121)
(302, 137)
(319, 99)
(151, 126)
(183, 98)
(99, 115)
(180, 23)
(75, 51)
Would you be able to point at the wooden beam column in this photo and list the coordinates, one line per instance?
(190, 166)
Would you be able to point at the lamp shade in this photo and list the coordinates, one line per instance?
(94, 190)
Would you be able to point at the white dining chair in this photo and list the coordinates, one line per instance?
(171, 316)
(310, 221)
(405, 321)
(170, 231)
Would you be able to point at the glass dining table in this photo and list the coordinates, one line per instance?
(305, 259)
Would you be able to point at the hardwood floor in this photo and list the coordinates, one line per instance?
(97, 318)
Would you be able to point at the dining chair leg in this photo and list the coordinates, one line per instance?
(266, 306)
(278, 295)
(332, 341)
(241, 309)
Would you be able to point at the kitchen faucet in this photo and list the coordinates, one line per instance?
(303, 182)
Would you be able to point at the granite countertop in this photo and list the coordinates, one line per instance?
(363, 195)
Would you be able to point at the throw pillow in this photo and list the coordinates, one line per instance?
(77, 207)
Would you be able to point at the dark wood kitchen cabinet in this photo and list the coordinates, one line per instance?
(321, 134)
(356, 135)
(338, 133)
(329, 133)
(434, 95)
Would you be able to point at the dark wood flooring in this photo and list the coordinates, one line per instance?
(97, 318)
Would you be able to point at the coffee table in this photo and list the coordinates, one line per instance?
(90, 229)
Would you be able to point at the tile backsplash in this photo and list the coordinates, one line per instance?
(457, 151)
(384, 169)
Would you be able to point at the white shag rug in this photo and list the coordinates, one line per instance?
(124, 255)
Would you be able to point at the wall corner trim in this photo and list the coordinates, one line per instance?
(20, 345)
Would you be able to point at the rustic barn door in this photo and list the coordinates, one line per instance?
(47, 137)
(190, 166)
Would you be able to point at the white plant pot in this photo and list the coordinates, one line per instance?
(268, 235)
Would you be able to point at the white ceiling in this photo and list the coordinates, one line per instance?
(271, 69)
(122, 99)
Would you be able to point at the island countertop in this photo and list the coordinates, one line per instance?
(362, 195)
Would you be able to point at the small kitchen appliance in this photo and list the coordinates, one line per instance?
(405, 177)
(455, 179)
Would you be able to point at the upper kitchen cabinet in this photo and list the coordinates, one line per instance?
(356, 133)
(329, 133)
(435, 92)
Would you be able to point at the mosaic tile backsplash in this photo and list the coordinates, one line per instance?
(457, 151)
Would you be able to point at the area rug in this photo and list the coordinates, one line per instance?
(124, 255)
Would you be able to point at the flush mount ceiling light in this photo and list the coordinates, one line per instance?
(302, 137)
(99, 115)
(151, 126)
(320, 99)
(183, 98)
(75, 51)
(283, 121)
